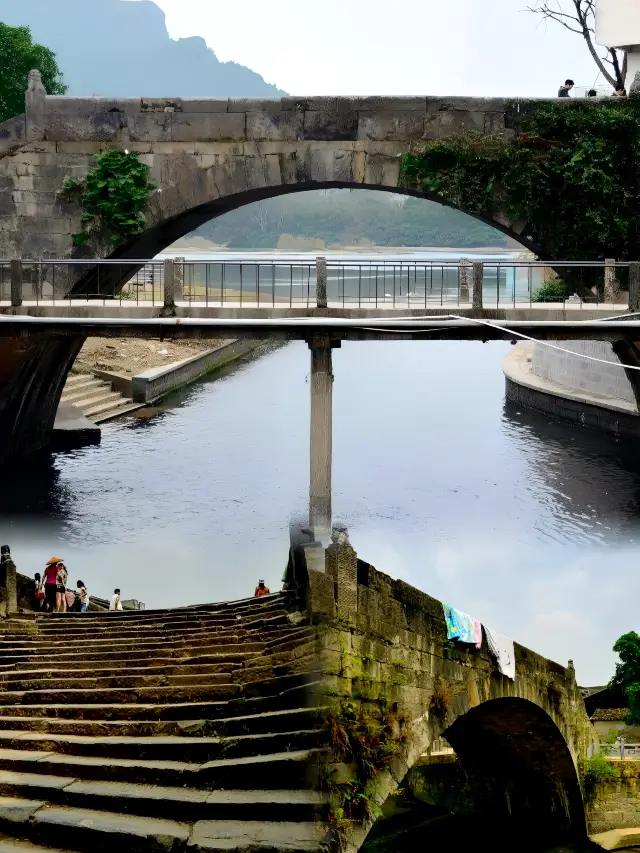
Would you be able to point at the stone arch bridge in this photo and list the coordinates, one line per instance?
(520, 742)
(212, 156)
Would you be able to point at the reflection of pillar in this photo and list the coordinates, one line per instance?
(320, 437)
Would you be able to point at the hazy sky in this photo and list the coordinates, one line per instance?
(407, 47)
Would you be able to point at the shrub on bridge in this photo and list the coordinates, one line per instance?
(113, 196)
(571, 174)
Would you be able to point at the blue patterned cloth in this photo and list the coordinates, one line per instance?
(460, 626)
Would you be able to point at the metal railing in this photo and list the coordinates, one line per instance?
(292, 282)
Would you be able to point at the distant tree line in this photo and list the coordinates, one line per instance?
(348, 217)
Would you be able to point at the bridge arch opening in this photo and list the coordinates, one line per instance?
(169, 230)
(511, 783)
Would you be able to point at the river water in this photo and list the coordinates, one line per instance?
(530, 525)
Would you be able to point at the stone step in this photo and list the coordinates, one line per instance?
(75, 378)
(269, 722)
(214, 622)
(80, 829)
(116, 681)
(84, 390)
(244, 605)
(171, 666)
(294, 697)
(107, 406)
(98, 398)
(131, 652)
(275, 771)
(184, 804)
(124, 408)
(273, 632)
(156, 694)
(188, 749)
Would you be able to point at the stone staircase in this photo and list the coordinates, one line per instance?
(191, 729)
(95, 399)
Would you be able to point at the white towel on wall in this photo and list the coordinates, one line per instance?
(502, 649)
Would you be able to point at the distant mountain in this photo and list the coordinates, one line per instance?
(116, 48)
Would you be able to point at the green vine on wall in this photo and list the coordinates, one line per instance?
(113, 196)
(568, 174)
(365, 741)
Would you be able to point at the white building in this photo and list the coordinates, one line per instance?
(618, 25)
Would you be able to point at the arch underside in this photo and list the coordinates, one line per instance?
(523, 781)
(167, 231)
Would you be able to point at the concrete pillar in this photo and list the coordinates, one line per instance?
(478, 281)
(610, 281)
(36, 97)
(320, 449)
(178, 279)
(169, 283)
(634, 286)
(321, 282)
(16, 283)
(464, 280)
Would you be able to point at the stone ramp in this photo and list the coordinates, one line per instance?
(173, 730)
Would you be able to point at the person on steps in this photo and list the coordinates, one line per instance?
(50, 584)
(38, 592)
(61, 589)
(261, 589)
(116, 603)
(83, 596)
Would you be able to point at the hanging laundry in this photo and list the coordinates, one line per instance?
(462, 627)
(502, 649)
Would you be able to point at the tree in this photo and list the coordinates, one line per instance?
(18, 56)
(625, 684)
(581, 19)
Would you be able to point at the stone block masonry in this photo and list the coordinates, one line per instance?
(615, 803)
(210, 156)
(385, 647)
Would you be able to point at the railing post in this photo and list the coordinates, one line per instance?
(178, 279)
(16, 283)
(169, 283)
(634, 286)
(321, 282)
(478, 282)
(464, 280)
(610, 281)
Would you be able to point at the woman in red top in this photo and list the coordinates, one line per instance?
(50, 583)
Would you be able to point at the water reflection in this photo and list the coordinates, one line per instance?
(439, 481)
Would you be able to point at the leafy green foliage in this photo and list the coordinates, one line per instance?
(113, 196)
(594, 770)
(366, 741)
(18, 56)
(552, 291)
(625, 684)
(571, 176)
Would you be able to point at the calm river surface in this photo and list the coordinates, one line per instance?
(530, 525)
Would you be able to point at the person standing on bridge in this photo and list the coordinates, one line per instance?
(61, 588)
(115, 603)
(563, 91)
(50, 584)
(261, 589)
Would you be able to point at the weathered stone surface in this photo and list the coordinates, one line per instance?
(388, 643)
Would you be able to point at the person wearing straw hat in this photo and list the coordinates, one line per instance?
(51, 583)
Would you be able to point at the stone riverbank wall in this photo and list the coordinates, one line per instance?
(565, 385)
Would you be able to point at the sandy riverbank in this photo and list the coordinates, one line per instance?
(131, 356)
